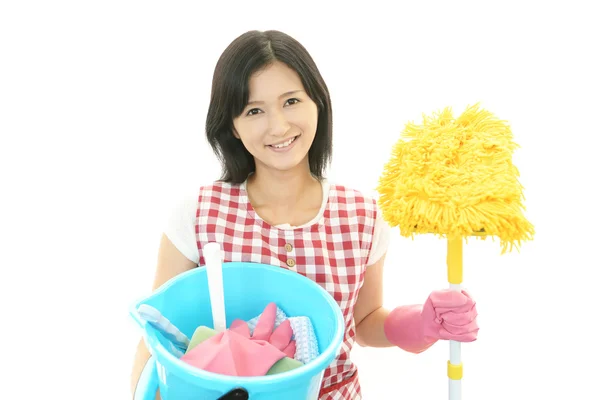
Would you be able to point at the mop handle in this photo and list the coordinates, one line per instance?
(455, 277)
(214, 272)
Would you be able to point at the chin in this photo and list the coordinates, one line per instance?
(286, 168)
(289, 166)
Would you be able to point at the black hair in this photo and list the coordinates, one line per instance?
(246, 55)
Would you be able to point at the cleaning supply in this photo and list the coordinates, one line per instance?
(203, 333)
(453, 177)
(230, 353)
(248, 287)
(265, 330)
(214, 258)
(307, 346)
(178, 341)
(200, 335)
(237, 352)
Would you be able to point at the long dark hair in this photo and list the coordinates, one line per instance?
(247, 54)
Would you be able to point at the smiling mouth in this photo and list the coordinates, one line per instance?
(284, 144)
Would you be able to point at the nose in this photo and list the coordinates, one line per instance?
(278, 124)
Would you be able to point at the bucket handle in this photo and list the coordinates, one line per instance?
(235, 394)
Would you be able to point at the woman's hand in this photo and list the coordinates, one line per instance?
(446, 315)
(450, 315)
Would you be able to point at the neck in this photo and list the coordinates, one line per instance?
(281, 189)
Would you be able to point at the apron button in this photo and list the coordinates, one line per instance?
(290, 262)
(288, 247)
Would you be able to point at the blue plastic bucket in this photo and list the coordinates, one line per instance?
(249, 287)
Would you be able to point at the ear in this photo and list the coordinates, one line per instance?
(235, 134)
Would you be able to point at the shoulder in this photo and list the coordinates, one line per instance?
(353, 197)
(218, 187)
(201, 195)
(217, 191)
(357, 204)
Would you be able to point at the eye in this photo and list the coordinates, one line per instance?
(292, 101)
(253, 111)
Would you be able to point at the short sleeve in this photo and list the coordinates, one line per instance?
(181, 227)
(381, 239)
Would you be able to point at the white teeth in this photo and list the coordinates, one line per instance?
(284, 144)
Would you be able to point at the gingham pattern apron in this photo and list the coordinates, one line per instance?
(333, 252)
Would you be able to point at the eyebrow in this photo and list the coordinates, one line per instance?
(283, 95)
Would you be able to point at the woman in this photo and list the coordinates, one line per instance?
(269, 122)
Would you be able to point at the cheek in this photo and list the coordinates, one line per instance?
(249, 131)
(305, 118)
(310, 121)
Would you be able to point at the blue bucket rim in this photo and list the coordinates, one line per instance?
(320, 363)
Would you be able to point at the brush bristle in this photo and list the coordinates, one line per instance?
(453, 177)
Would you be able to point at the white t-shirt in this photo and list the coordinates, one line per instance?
(181, 228)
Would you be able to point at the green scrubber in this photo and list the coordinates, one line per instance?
(203, 333)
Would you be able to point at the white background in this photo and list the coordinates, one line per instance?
(102, 110)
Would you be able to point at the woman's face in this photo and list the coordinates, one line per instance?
(280, 121)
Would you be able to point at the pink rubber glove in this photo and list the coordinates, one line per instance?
(235, 352)
(446, 315)
(281, 338)
(230, 353)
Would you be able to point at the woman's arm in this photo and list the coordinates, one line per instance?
(170, 263)
(369, 314)
(446, 314)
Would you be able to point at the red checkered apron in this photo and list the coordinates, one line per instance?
(333, 252)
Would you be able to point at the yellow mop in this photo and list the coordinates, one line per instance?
(454, 177)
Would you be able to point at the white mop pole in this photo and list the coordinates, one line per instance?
(455, 272)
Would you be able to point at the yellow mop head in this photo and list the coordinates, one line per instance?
(454, 177)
